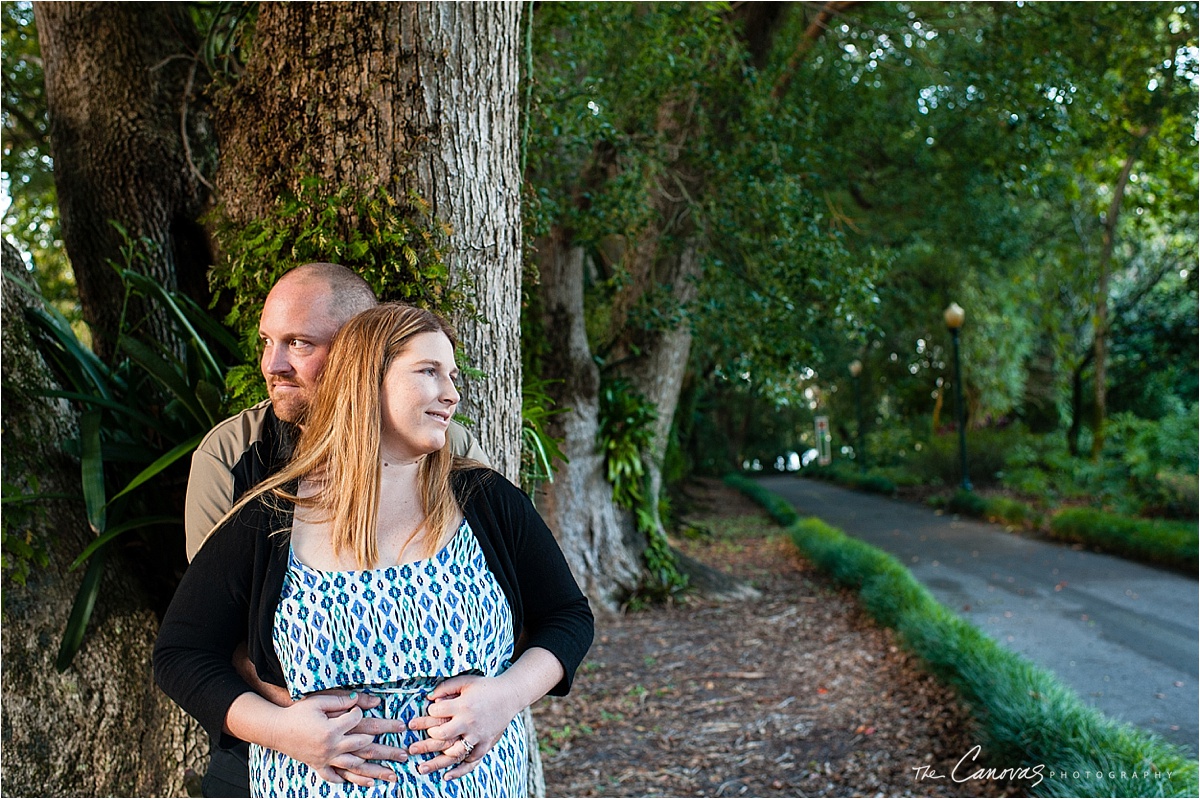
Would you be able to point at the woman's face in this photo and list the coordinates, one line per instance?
(418, 398)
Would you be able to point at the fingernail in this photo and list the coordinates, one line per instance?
(354, 694)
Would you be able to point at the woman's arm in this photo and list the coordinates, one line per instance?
(558, 623)
(557, 616)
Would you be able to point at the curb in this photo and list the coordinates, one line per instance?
(1028, 716)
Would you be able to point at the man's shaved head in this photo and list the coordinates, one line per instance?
(346, 293)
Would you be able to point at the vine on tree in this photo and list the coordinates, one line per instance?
(396, 246)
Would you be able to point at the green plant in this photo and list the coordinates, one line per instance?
(626, 419)
(21, 547)
(1011, 511)
(1169, 543)
(988, 452)
(968, 503)
(394, 244)
(539, 449)
(138, 418)
(665, 579)
(875, 483)
(1159, 459)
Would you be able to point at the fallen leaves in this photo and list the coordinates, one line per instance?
(759, 698)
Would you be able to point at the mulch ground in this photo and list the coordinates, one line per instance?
(795, 693)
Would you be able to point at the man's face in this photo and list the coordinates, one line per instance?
(295, 329)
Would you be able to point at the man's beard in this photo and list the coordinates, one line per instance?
(290, 407)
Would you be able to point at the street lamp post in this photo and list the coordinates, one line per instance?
(954, 316)
(860, 452)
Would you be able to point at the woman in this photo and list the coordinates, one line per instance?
(379, 563)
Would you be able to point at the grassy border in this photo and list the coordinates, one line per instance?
(1155, 541)
(1027, 715)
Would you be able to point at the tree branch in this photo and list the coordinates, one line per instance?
(814, 32)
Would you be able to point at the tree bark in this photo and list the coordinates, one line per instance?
(658, 373)
(118, 78)
(101, 728)
(417, 99)
(599, 540)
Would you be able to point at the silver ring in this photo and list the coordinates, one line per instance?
(470, 747)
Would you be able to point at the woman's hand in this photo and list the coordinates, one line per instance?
(326, 731)
(469, 713)
(466, 717)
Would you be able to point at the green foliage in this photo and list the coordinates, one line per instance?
(396, 246)
(876, 481)
(21, 547)
(1155, 352)
(539, 450)
(1174, 544)
(665, 580)
(1028, 717)
(968, 503)
(139, 418)
(31, 218)
(1012, 511)
(987, 455)
(1160, 457)
(605, 73)
(1147, 467)
(626, 419)
(626, 431)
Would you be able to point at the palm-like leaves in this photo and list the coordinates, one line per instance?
(138, 418)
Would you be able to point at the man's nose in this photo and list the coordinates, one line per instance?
(275, 361)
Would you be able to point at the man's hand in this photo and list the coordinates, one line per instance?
(245, 669)
(349, 766)
(369, 726)
(318, 730)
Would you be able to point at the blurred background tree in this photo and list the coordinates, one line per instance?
(724, 205)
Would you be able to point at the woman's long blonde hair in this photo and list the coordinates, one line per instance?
(338, 450)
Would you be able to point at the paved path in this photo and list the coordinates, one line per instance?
(1123, 635)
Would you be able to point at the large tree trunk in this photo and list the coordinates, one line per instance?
(600, 541)
(1100, 336)
(101, 728)
(419, 100)
(118, 78)
(658, 373)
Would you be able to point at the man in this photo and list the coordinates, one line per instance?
(302, 313)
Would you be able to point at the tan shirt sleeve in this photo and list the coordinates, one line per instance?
(463, 443)
(210, 483)
(209, 498)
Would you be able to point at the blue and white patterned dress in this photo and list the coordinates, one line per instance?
(395, 632)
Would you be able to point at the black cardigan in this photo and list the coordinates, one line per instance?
(230, 592)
